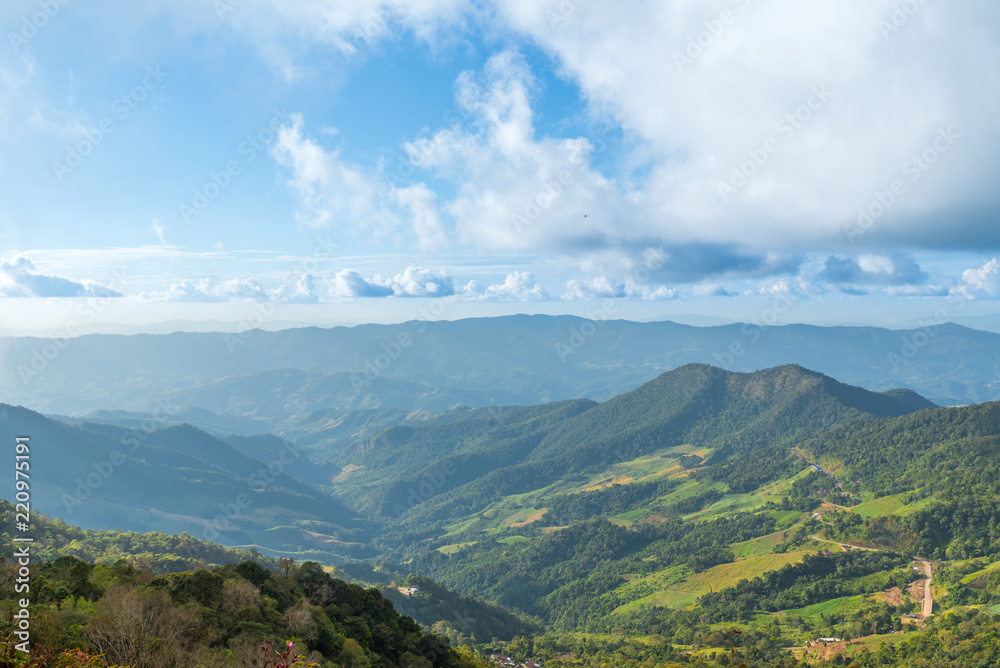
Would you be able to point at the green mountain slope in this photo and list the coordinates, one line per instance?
(460, 468)
(936, 474)
(175, 479)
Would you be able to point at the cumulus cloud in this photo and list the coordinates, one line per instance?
(602, 287)
(349, 284)
(518, 286)
(331, 190)
(335, 192)
(516, 190)
(303, 292)
(980, 283)
(210, 290)
(19, 278)
(712, 290)
(819, 90)
(425, 218)
(867, 270)
(419, 282)
(411, 282)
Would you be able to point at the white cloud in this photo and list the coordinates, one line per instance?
(334, 192)
(890, 97)
(209, 290)
(349, 284)
(980, 283)
(304, 292)
(352, 28)
(419, 282)
(421, 202)
(602, 287)
(19, 278)
(712, 290)
(331, 190)
(518, 286)
(514, 189)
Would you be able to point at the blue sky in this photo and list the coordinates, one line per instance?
(329, 164)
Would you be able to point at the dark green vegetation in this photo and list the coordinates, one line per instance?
(948, 457)
(220, 617)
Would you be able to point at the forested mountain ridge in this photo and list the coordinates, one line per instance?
(498, 452)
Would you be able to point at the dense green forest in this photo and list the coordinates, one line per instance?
(219, 617)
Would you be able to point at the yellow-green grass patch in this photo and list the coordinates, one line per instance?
(722, 576)
(454, 547)
(835, 606)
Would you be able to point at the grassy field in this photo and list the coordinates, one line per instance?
(726, 575)
(889, 505)
(833, 606)
(455, 547)
(677, 587)
(983, 572)
(663, 463)
(757, 546)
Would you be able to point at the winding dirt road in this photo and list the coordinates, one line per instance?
(928, 606)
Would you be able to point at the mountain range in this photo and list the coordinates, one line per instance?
(435, 366)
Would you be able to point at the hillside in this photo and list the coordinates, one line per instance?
(495, 453)
(156, 552)
(241, 614)
(177, 479)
